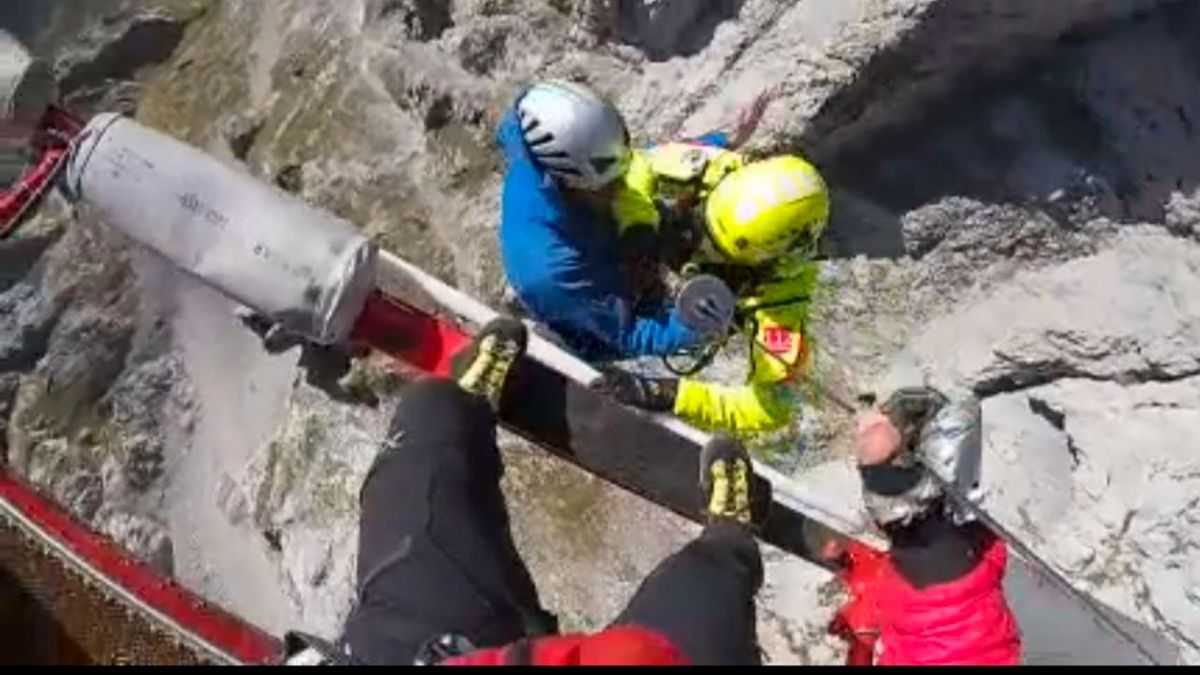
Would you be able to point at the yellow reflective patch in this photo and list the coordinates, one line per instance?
(471, 379)
(741, 495)
(680, 162)
(720, 488)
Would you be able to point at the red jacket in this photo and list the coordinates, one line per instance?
(964, 622)
(623, 646)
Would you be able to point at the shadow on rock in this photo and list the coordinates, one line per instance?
(19, 256)
(669, 28)
(1100, 132)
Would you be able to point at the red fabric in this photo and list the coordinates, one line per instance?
(625, 646)
(408, 334)
(858, 620)
(964, 622)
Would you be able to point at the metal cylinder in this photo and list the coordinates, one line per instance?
(302, 267)
(27, 88)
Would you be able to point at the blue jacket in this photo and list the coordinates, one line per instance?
(562, 261)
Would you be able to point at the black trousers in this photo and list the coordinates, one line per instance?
(436, 555)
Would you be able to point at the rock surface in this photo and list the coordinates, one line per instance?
(1090, 372)
(1016, 212)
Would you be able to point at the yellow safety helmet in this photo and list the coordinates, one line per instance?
(766, 209)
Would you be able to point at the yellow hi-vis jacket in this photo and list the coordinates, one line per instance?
(774, 311)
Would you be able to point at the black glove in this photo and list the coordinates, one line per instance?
(275, 339)
(656, 394)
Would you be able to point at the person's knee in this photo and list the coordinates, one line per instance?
(434, 393)
(433, 404)
(438, 427)
(731, 543)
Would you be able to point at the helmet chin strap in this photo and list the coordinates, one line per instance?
(708, 251)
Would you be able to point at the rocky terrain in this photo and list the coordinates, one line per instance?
(1017, 212)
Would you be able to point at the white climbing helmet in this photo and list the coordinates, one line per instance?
(576, 135)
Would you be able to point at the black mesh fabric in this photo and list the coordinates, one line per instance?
(52, 612)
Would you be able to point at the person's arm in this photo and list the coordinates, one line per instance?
(549, 280)
(769, 402)
(750, 408)
(611, 320)
(598, 322)
(583, 305)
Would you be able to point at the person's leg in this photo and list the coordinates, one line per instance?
(702, 598)
(435, 552)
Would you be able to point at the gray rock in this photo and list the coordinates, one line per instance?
(232, 501)
(1183, 215)
(85, 354)
(1019, 440)
(117, 491)
(664, 29)
(143, 462)
(963, 243)
(302, 492)
(151, 390)
(144, 538)
(419, 20)
(8, 392)
(1124, 518)
(241, 131)
(97, 69)
(47, 462)
(1147, 107)
(1130, 313)
(910, 54)
(82, 493)
(1042, 166)
(25, 324)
